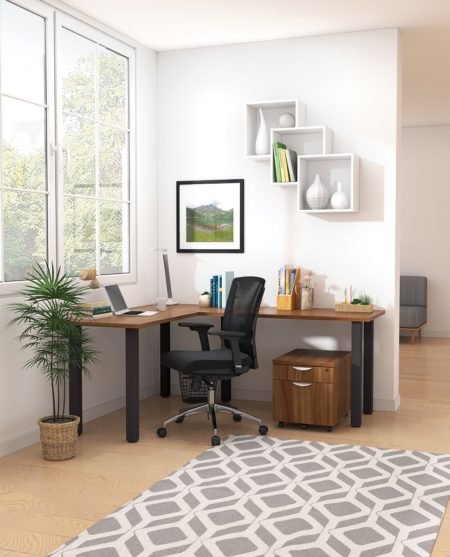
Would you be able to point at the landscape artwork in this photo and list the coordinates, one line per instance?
(210, 216)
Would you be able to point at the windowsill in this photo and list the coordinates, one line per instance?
(13, 289)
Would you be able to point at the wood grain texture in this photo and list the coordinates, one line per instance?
(185, 311)
(316, 396)
(48, 502)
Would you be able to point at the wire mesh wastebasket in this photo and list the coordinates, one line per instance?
(193, 390)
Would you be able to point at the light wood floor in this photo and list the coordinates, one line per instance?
(43, 504)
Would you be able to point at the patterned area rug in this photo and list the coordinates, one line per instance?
(260, 496)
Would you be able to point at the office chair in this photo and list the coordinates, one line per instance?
(236, 356)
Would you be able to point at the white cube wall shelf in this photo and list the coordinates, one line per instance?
(332, 168)
(272, 110)
(308, 140)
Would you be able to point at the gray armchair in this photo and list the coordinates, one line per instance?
(413, 305)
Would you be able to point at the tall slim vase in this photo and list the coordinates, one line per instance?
(262, 146)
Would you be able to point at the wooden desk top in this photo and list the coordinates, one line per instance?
(185, 311)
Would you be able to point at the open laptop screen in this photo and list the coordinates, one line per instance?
(115, 295)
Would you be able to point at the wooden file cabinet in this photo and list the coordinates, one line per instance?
(311, 387)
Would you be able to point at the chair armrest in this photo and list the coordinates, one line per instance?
(202, 330)
(233, 337)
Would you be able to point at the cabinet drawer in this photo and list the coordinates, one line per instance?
(300, 372)
(305, 402)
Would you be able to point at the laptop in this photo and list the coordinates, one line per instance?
(119, 305)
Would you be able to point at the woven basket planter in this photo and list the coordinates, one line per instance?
(59, 440)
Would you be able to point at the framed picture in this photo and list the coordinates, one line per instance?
(210, 216)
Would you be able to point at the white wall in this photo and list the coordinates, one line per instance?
(349, 83)
(424, 222)
(24, 394)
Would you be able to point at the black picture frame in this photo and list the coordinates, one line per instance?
(219, 206)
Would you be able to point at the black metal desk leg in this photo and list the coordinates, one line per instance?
(164, 372)
(132, 383)
(368, 368)
(225, 390)
(75, 384)
(225, 384)
(357, 372)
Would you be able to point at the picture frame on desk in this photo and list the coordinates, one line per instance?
(210, 216)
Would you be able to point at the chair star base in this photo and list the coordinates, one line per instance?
(211, 409)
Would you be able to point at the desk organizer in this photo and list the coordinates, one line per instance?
(290, 301)
(360, 308)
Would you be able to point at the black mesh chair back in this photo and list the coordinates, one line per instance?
(241, 312)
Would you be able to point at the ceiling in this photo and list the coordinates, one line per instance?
(178, 24)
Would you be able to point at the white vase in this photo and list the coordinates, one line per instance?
(262, 146)
(307, 298)
(317, 195)
(339, 199)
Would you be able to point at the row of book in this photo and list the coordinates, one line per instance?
(287, 276)
(284, 163)
(97, 310)
(220, 288)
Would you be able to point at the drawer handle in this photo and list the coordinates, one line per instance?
(302, 368)
(303, 384)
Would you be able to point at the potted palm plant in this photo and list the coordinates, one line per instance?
(48, 314)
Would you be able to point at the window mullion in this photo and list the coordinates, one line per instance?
(97, 161)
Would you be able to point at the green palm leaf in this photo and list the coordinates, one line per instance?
(48, 318)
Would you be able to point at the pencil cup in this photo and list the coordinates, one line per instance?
(161, 303)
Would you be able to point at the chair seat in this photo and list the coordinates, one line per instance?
(218, 363)
(412, 316)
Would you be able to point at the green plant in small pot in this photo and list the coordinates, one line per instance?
(48, 314)
(205, 299)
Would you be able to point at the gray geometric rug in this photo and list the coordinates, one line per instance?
(260, 497)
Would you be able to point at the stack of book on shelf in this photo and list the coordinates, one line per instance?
(284, 163)
(220, 288)
(288, 287)
(97, 310)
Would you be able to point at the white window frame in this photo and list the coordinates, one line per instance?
(43, 10)
(54, 21)
(63, 21)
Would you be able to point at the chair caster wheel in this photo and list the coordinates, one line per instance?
(161, 432)
(304, 426)
(179, 420)
(237, 417)
(280, 424)
(329, 428)
(215, 440)
(263, 429)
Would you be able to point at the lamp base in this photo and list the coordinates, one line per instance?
(171, 302)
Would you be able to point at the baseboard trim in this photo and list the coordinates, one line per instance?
(386, 405)
(30, 437)
(438, 334)
(116, 404)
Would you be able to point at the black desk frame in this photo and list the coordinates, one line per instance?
(362, 337)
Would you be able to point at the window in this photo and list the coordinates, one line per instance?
(66, 180)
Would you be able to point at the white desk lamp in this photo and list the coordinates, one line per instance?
(170, 300)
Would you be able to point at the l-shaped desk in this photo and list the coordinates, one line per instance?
(362, 326)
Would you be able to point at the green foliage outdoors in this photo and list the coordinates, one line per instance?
(48, 316)
(24, 213)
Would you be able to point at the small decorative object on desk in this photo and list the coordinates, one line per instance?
(307, 296)
(90, 274)
(286, 120)
(339, 198)
(262, 144)
(363, 304)
(205, 299)
(288, 288)
(317, 195)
